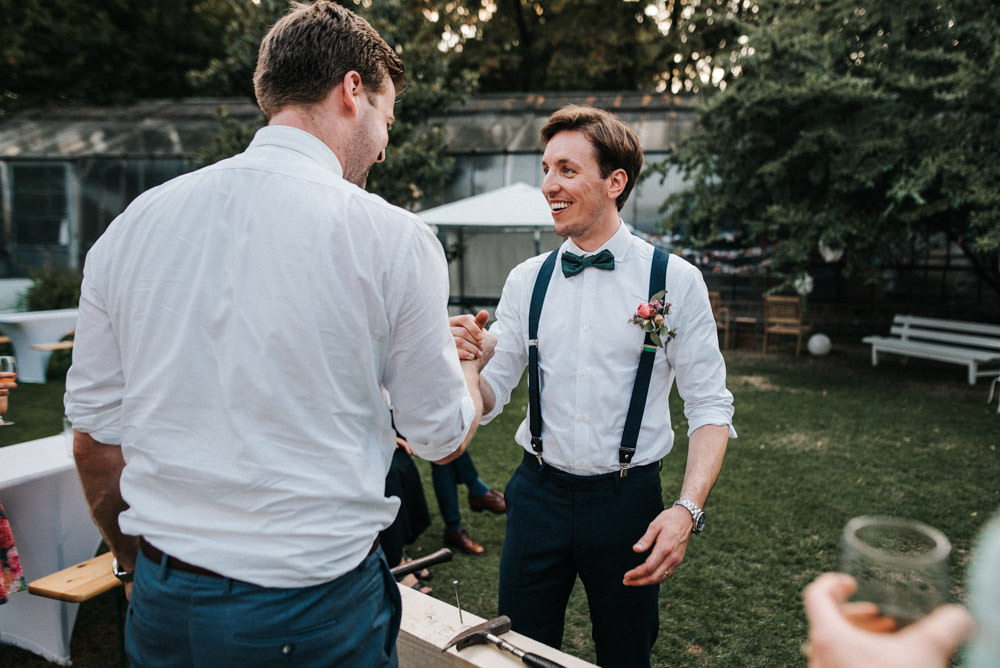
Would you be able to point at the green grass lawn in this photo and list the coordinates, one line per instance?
(821, 440)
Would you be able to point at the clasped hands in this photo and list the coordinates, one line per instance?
(472, 339)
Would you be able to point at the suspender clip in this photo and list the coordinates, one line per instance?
(536, 445)
(624, 459)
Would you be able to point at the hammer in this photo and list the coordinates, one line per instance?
(414, 565)
(487, 632)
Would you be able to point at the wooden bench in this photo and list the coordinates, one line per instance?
(65, 344)
(78, 583)
(57, 345)
(970, 344)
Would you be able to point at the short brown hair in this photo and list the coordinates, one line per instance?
(310, 50)
(616, 145)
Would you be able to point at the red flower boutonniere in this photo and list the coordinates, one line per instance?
(651, 317)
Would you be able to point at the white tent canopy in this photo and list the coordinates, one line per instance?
(517, 205)
(487, 235)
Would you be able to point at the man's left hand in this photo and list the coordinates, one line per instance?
(666, 540)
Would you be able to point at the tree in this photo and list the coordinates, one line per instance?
(864, 125)
(416, 164)
(549, 45)
(110, 52)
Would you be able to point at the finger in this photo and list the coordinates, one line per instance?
(945, 628)
(867, 616)
(824, 596)
(472, 324)
(648, 539)
(649, 572)
(466, 350)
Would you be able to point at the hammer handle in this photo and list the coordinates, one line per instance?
(528, 658)
(536, 661)
(441, 556)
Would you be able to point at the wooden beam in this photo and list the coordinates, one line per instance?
(428, 624)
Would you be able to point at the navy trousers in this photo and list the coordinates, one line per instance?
(560, 526)
(181, 620)
(446, 478)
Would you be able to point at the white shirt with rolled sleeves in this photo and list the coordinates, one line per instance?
(588, 354)
(236, 326)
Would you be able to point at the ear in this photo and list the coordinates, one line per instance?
(617, 181)
(347, 92)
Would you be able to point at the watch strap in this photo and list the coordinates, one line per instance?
(122, 575)
(697, 514)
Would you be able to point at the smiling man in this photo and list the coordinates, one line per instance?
(586, 499)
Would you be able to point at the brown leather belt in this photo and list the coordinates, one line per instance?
(156, 555)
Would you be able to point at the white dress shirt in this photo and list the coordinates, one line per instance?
(588, 354)
(235, 327)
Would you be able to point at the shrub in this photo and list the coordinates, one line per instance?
(52, 288)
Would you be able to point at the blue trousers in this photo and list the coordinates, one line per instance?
(181, 620)
(560, 526)
(446, 478)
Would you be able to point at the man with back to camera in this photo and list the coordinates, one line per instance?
(586, 499)
(236, 325)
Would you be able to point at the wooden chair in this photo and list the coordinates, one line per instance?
(721, 316)
(783, 315)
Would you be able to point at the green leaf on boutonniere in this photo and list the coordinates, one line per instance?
(655, 338)
(659, 295)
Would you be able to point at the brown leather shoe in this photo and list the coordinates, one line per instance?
(461, 540)
(491, 501)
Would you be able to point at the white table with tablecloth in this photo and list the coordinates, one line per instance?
(29, 327)
(52, 529)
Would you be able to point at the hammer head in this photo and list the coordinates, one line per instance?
(476, 635)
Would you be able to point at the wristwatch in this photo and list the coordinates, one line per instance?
(124, 576)
(697, 514)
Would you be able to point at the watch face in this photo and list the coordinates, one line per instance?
(699, 523)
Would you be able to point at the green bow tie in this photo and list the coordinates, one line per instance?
(573, 264)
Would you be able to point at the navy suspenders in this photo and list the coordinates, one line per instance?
(534, 395)
(637, 404)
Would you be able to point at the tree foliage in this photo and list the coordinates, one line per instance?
(867, 125)
(109, 52)
(557, 45)
(416, 165)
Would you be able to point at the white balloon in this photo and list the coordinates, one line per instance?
(819, 344)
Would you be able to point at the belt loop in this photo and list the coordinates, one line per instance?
(161, 568)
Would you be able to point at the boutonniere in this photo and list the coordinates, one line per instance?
(651, 317)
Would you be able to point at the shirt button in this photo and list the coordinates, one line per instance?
(586, 328)
(583, 372)
(288, 649)
(582, 418)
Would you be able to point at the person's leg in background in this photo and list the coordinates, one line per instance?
(403, 481)
(446, 478)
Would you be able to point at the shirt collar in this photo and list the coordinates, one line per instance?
(300, 141)
(618, 244)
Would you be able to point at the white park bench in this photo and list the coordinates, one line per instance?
(970, 344)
